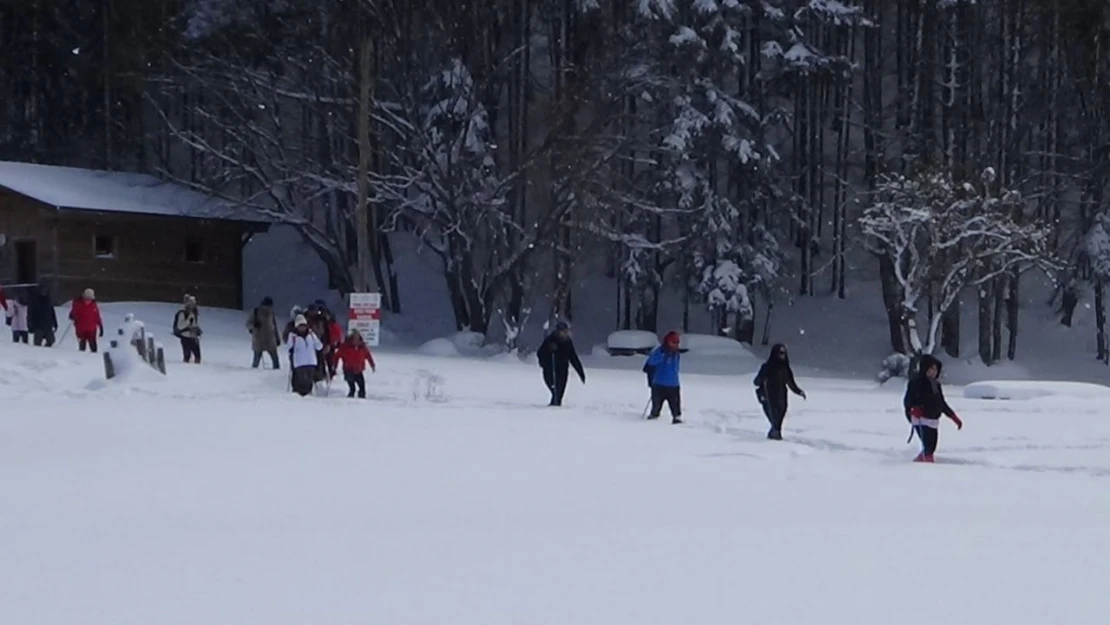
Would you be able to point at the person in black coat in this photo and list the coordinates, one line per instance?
(924, 404)
(42, 320)
(775, 376)
(556, 355)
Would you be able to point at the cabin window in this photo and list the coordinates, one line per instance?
(104, 246)
(194, 251)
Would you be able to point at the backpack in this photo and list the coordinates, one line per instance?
(176, 317)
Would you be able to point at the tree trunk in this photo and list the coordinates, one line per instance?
(1100, 320)
(986, 316)
(950, 330)
(999, 313)
(893, 303)
(1012, 309)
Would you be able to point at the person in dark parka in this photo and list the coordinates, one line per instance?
(556, 355)
(924, 404)
(42, 320)
(774, 378)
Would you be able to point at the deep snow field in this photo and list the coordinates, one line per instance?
(213, 497)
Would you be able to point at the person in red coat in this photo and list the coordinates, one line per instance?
(355, 356)
(85, 315)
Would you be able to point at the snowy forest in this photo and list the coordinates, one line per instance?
(731, 153)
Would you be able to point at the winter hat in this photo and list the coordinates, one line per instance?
(672, 338)
(267, 301)
(300, 321)
(89, 294)
(189, 299)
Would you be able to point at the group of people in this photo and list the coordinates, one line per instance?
(923, 402)
(316, 346)
(32, 318)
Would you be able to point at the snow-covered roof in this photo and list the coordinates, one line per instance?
(114, 192)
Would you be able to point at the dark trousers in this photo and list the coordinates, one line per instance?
(669, 394)
(355, 380)
(44, 338)
(190, 349)
(87, 345)
(775, 415)
(273, 358)
(303, 380)
(556, 382)
(929, 437)
(20, 336)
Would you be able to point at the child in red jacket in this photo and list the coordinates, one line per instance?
(355, 356)
(85, 315)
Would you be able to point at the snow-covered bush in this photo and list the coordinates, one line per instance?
(894, 366)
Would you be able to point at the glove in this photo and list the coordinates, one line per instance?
(957, 421)
(101, 331)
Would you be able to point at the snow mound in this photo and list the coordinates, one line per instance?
(1026, 390)
(468, 340)
(714, 346)
(628, 342)
(440, 348)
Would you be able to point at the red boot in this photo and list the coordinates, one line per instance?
(920, 457)
(928, 459)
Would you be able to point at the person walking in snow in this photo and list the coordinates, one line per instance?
(924, 404)
(663, 368)
(16, 311)
(186, 327)
(42, 320)
(556, 356)
(304, 348)
(262, 325)
(771, 384)
(87, 324)
(355, 355)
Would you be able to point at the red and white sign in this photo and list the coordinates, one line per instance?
(365, 315)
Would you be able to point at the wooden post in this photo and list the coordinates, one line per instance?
(109, 370)
(362, 226)
(150, 353)
(160, 360)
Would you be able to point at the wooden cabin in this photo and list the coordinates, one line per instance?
(129, 237)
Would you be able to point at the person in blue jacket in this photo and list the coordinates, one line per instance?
(662, 368)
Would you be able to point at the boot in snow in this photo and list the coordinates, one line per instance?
(921, 457)
(676, 420)
(652, 416)
(774, 435)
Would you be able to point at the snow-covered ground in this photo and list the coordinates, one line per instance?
(213, 497)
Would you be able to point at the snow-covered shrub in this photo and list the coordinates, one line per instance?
(895, 366)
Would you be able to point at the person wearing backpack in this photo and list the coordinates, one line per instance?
(186, 327)
(304, 347)
(924, 404)
(663, 367)
(262, 325)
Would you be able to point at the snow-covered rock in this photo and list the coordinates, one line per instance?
(716, 346)
(441, 347)
(1026, 390)
(627, 342)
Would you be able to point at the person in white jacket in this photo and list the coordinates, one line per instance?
(304, 349)
(17, 319)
